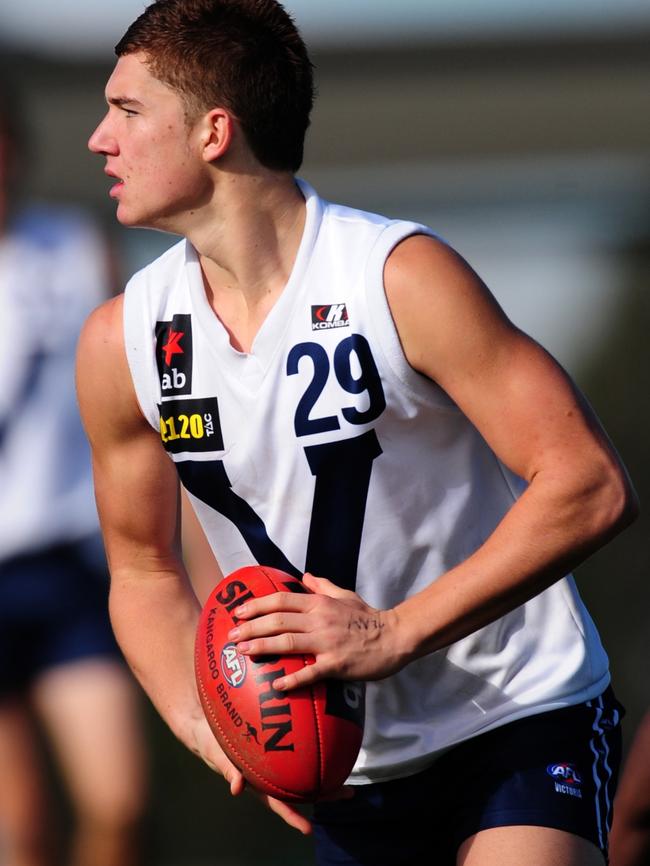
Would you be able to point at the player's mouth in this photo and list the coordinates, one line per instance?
(116, 188)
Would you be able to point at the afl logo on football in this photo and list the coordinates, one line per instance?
(565, 773)
(233, 665)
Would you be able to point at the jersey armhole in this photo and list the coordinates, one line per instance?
(419, 386)
(139, 349)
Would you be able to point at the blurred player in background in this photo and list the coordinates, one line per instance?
(61, 671)
(341, 395)
(630, 841)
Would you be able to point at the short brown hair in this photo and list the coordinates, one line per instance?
(245, 55)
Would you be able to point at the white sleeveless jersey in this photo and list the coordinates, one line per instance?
(52, 273)
(323, 450)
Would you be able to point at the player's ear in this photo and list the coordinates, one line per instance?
(217, 130)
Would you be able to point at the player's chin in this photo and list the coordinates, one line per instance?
(131, 217)
(130, 213)
(126, 217)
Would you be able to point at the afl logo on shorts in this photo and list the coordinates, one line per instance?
(565, 773)
(233, 665)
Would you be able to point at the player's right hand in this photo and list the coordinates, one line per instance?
(203, 744)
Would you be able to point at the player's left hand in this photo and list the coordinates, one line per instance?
(349, 639)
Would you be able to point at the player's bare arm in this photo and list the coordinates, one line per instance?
(535, 421)
(137, 495)
(137, 490)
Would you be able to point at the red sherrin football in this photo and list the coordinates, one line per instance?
(297, 745)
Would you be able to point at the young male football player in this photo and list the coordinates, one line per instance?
(341, 396)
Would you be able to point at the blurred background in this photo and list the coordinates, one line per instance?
(521, 133)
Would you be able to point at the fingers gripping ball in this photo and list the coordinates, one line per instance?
(297, 746)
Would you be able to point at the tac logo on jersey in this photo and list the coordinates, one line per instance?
(566, 777)
(174, 355)
(328, 316)
(191, 425)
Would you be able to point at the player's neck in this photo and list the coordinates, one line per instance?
(247, 248)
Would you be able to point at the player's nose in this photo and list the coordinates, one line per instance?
(102, 140)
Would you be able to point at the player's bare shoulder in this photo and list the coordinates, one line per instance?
(424, 270)
(419, 252)
(104, 385)
(103, 325)
(439, 304)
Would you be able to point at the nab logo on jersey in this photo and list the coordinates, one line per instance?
(329, 316)
(174, 355)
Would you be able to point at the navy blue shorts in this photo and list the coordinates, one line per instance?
(53, 610)
(557, 769)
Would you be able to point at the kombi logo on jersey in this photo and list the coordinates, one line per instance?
(174, 355)
(567, 779)
(329, 316)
